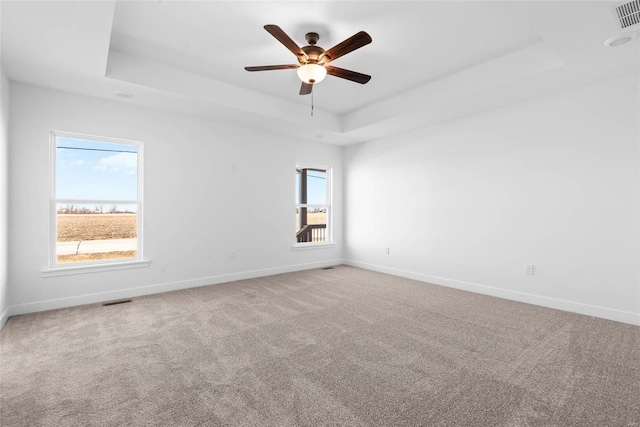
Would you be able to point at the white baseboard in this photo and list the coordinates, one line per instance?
(559, 304)
(34, 307)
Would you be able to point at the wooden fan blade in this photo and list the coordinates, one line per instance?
(272, 67)
(347, 74)
(283, 38)
(306, 88)
(354, 42)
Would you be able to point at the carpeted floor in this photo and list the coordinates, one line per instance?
(340, 347)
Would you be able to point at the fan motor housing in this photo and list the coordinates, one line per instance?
(313, 53)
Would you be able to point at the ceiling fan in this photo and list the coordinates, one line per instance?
(312, 59)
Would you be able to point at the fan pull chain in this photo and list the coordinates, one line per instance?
(312, 104)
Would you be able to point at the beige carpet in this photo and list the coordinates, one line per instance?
(340, 347)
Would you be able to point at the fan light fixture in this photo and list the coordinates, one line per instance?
(312, 73)
(312, 59)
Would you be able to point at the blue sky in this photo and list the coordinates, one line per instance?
(82, 173)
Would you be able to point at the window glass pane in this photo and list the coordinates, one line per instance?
(96, 170)
(311, 225)
(316, 187)
(315, 190)
(95, 232)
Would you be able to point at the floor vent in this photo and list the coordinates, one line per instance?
(120, 301)
(327, 268)
(627, 14)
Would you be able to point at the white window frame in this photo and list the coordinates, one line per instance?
(57, 269)
(329, 206)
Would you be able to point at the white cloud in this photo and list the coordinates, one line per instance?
(118, 162)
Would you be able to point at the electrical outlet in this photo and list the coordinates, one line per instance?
(386, 251)
(528, 269)
(234, 169)
(233, 254)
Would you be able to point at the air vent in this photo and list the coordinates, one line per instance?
(121, 301)
(627, 14)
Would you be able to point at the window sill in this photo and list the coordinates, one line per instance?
(308, 246)
(95, 268)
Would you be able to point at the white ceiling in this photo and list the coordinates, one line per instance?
(431, 61)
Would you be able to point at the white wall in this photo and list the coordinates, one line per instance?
(466, 204)
(196, 210)
(554, 183)
(4, 195)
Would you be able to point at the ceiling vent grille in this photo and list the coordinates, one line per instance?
(627, 14)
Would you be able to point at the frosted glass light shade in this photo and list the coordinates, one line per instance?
(312, 73)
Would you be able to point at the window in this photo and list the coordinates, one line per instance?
(96, 200)
(313, 205)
